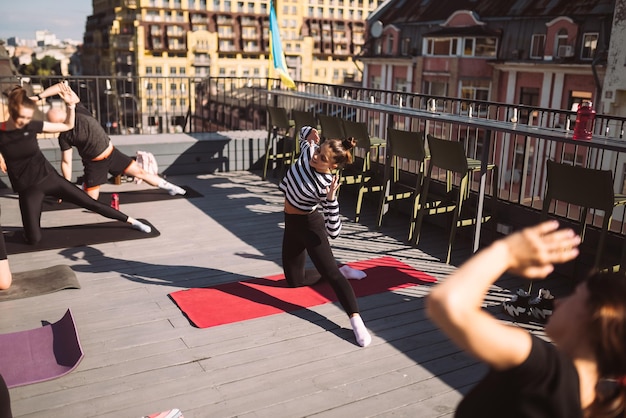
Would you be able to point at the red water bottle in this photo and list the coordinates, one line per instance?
(584, 121)
(115, 201)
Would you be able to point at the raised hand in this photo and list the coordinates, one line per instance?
(534, 251)
(332, 189)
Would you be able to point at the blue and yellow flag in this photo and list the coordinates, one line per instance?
(276, 51)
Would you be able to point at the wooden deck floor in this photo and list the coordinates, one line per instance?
(143, 356)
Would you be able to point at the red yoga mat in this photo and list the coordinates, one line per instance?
(233, 302)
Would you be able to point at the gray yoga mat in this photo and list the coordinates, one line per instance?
(40, 354)
(39, 282)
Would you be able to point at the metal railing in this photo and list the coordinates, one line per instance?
(518, 139)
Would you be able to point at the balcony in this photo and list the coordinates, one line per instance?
(133, 334)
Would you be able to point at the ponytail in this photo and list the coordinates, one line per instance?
(18, 97)
(610, 401)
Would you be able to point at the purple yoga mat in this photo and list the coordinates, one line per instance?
(40, 354)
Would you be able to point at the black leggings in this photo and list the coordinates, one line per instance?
(31, 203)
(308, 232)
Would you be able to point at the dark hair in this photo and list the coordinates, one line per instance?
(341, 149)
(607, 336)
(18, 97)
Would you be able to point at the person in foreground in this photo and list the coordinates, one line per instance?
(98, 154)
(308, 185)
(582, 375)
(31, 174)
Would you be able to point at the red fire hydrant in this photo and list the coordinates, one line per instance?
(584, 121)
(115, 201)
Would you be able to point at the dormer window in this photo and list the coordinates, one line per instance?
(590, 44)
(389, 50)
(561, 45)
(537, 46)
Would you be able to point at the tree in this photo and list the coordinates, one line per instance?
(46, 66)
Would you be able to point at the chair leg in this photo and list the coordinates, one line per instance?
(416, 205)
(599, 251)
(422, 206)
(457, 214)
(359, 202)
(268, 141)
(386, 190)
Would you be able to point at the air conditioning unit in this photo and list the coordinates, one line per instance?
(566, 51)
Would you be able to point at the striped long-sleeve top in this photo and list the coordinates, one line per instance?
(306, 189)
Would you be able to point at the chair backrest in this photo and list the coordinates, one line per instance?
(580, 186)
(303, 118)
(406, 144)
(447, 155)
(358, 131)
(332, 127)
(278, 118)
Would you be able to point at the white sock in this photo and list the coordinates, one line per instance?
(172, 189)
(363, 337)
(141, 226)
(352, 274)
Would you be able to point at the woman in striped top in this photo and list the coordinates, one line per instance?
(308, 185)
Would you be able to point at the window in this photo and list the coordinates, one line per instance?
(173, 102)
(173, 87)
(435, 88)
(479, 47)
(485, 47)
(475, 90)
(468, 46)
(590, 44)
(173, 71)
(406, 45)
(537, 46)
(561, 41)
(389, 50)
(441, 46)
(528, 96)
(159, 70)
(401, 84)
(148, 70)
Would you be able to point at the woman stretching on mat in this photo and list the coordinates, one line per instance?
(582, 375)
(31, 175)
(98, 154)
(310, 184)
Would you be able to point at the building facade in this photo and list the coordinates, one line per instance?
(550, 54)
(200, 38)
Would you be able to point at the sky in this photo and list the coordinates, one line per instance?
(64, 18)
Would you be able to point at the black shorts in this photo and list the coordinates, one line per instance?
(96, 172)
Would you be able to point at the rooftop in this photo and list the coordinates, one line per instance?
(143, 356)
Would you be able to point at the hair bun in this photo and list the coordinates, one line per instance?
(348, 143)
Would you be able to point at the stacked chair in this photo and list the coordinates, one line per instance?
(589, 189)
(451, 157)
(278, 127)
(402, 146)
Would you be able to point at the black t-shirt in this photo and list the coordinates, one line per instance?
(87, 136)
(545, 385)
(26, 163)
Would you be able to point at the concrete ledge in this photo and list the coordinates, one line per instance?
(179, 153)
